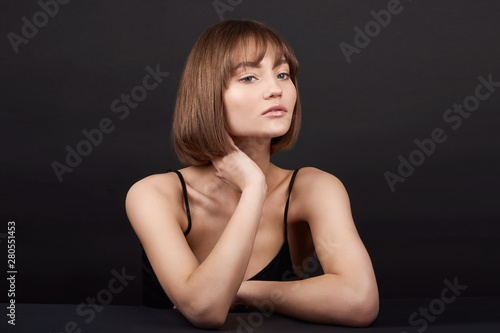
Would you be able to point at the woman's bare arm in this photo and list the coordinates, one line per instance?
(347, 293)
(203, 292)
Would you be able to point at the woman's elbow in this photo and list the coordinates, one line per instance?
(364, 310)
(207, 322)
(205, 316)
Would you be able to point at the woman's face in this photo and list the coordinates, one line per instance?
(260, 99)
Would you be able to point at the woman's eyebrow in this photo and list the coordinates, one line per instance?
(247, 64)
(280, 62)
(254, 64)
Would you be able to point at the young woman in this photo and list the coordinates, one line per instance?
(232, 228)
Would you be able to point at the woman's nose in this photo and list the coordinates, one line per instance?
(273, 89)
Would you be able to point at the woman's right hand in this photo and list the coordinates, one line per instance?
(239, 171)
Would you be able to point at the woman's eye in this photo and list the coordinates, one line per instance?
(248, 79)
(283, 76)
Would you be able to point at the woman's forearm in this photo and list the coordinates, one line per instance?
(211, 288)
(328, 298)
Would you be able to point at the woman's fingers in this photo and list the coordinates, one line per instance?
(237, 169)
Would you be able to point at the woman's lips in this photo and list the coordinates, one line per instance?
(275, 111)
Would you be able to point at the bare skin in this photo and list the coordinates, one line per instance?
(237, 206)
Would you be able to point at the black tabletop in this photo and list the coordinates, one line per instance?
(463, 315)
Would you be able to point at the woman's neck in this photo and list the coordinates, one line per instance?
(259, 150)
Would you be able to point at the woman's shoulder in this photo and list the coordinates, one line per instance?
(315, 193)
(313, 177)
(155, 198)
(165, 186)
(312, 185)
(160, 183)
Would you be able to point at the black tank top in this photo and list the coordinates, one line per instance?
(279, 269)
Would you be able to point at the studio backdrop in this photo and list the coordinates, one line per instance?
(400, 101)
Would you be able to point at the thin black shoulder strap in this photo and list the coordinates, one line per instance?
(288, 199)
(186, 203)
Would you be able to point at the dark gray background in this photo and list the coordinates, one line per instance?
(441, 223)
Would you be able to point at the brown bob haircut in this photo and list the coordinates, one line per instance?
(199, 127)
